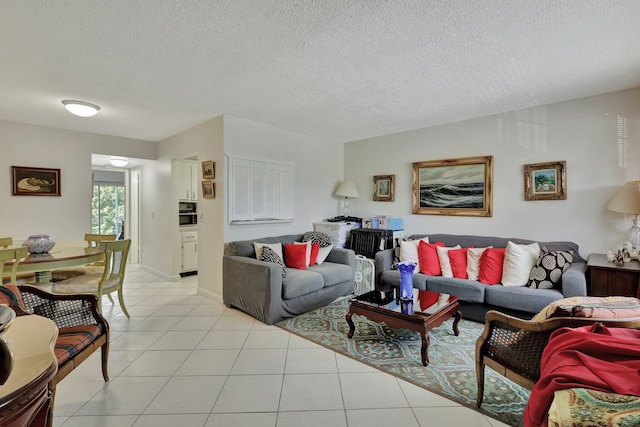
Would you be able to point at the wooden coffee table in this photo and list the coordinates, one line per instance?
(384, 306)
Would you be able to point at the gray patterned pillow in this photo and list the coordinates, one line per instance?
(269, 255)
(547, 272)
(317, 237)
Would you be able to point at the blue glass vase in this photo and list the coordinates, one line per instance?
(406, 279)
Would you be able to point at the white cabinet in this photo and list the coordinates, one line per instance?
(187, 179)
(189, 251)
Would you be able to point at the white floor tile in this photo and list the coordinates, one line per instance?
(384, 417)
(312, 419)
(347, 364)
(257, 362)
(161, 363)
(371, 390)
(311, 392)
(124, 396)
(187, 395)
(169, 420)
(262, 339)
(179, 340)
(131, 340)
(101, 421)
(223, 340)
(195, 323)
(311, 361)
(457, 416)
(419, 397)
(209, 362)
(250, 393)
(264, 419)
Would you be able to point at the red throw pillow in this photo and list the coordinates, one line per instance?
(315, 249)
(427, 299)
(491, 262)
(428, 256)
(458, 259)
(295, 256)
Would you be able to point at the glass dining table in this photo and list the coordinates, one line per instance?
(59, 257)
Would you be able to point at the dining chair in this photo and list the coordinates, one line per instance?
(14, 255)
(5, 242)
(105, 283)
(93, 241)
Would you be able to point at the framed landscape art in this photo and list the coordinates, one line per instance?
(208, 190)
(384, 188)
(208, 169)
(545, 181)
(461, 187)
(29, 181)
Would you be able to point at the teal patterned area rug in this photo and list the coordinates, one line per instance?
(451, 372)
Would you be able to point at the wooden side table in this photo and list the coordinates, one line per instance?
(610, 279)
(25, 398)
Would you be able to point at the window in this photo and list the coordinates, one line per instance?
(260, 191)
(107, 208)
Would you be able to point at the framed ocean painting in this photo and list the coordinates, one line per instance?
(453, 187)
(545, 181)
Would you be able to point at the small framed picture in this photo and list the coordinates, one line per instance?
(208, 169)
(384, 188)
(208, 190)
(545, 181)
(28, 181)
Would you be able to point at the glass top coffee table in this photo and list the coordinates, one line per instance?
(426, 311)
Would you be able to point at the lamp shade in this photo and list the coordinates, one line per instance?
(81, 108)
(347, 189)
(627, 199)
(119, 162)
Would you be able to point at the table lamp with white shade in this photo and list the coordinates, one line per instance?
(627, 200)
(346, 189)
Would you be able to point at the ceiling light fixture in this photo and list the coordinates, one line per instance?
(81, 108)
(119, 162)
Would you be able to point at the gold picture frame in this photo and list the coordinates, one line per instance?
(545, 181)
(461, 187)
(384, 188)
(30, 181)
(208, 190)
(208, 169)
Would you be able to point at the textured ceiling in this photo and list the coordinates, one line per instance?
(336, 69)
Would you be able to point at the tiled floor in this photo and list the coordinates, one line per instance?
(186, 360)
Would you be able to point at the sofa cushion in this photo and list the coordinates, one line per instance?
(521, 298)
(491, 262)
(276, 247)
(466, 290)
(458, 261)
(596, 307)
(246, 247)
(547, 272)
(409, 251)
(296, 256)
(73, 339)
(518, 262)
(323, 253)
(473, 262)
(301, 282)
(317, 237)
(428, 255)
(333, 273)
(445, 262)
(269, 255)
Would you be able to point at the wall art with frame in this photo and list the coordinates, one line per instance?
(384, 188)
(462, 187)
(545, 181)
(208, 169)
(208, 189)
(30, 181)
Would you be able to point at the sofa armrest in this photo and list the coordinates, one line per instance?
(252, 285)
(342, 256)
(384, 260)
(574, 281)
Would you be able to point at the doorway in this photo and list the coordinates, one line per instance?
(108, 203)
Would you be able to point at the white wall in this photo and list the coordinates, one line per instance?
(161, 233)
(318, 169)
(67, 217)
(583, 132)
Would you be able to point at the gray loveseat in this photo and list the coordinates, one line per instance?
(257, 287)
(477, 298)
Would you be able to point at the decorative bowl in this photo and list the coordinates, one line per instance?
(39, 244)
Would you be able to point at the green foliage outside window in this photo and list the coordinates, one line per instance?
(107, 208)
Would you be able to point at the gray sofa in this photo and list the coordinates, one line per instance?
(257, 287)
(477, 298)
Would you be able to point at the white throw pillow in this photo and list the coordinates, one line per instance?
(308, 259)
(473, 262)
(445, 262)
(518, 262)
(277, 248)
(409, 251)
(323, 253)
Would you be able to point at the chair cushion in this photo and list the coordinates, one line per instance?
(11, 296)
(596, 307)
(69, 273)
(73, 339)
(85, 284)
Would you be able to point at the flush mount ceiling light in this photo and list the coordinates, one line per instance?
(119, 162)
(81, 108)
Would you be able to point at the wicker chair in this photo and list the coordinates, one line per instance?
(513, 347)
(82, 329)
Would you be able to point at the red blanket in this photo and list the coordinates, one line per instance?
(594, 357)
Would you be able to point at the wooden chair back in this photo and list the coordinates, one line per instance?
(5, 242)
(14, 255)
(115, 259)
(94, 240)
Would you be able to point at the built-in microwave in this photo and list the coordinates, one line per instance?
(187, 214)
